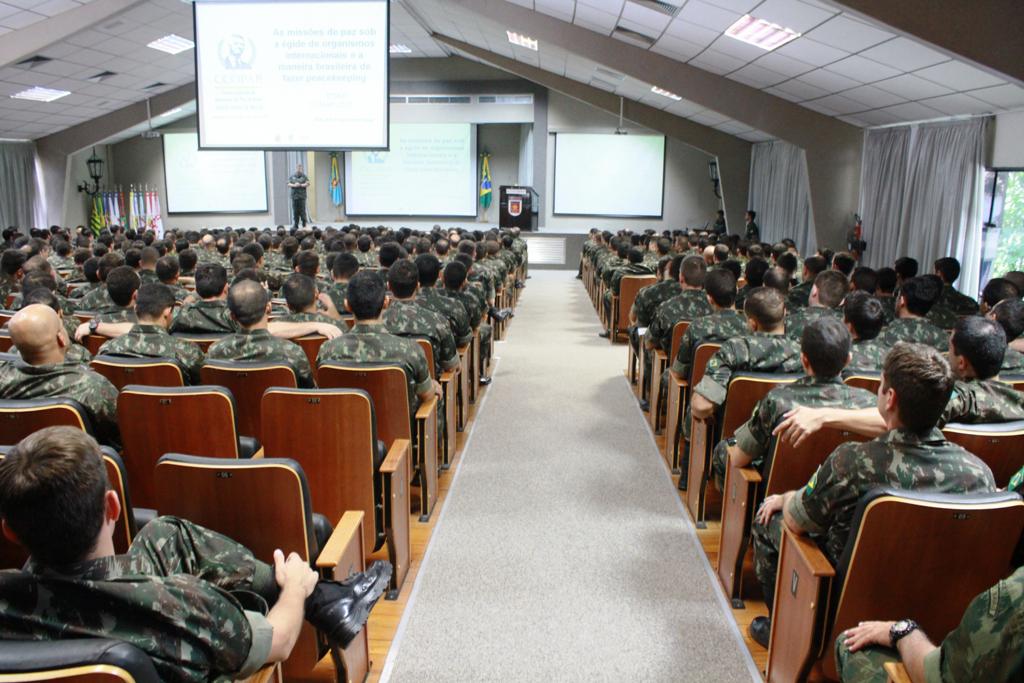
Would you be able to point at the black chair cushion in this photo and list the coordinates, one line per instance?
(22, 656)
(247, 447)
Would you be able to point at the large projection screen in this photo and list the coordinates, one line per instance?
(609, 175)
(310, 74)
(212, 181)
(429, 171)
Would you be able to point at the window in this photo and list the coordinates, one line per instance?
(1003, 226)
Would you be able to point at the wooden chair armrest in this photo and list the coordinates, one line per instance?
(426, 408)
(449, 375)
(348, 530)
(677, 378)
(810, 555)
(749, 474)
(258, 454)
(660, 355)
(398, 452)
(268, 674)
(897, 672)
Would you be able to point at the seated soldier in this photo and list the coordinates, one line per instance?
(177, 594)
(98, 297)
(429, 296)
(917, 296)
(457, 287)
(827, 293)
(987, 645)
(405, 318)
(824, 352)
(11, 272)
(148, 338)
(369, 341)
(342, 270)
(864, 317)
(634, 265)
(147, 265)
(650, 297)
(210, 314)
(912, 454)
(864, 280)
(690, 304)
(777, 278)
(951, 304)
(799, 296)
(997, 289)
(1009, 313)
(975, 356)
(76, 353)
(249, 305)
(886, 292)
(754, 272)
(305, 304)
(168, 273)
(91, 277)
(43, 372)
(122, 286)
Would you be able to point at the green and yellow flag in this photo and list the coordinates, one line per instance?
(96, 219)
(485, 182)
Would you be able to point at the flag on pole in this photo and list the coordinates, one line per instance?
(158, 221)
(96, 219)
(485, 182)
(336, 191)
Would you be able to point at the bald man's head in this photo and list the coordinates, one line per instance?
(247, 301)
(39, 335)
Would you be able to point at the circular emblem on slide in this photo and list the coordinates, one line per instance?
(236, 51)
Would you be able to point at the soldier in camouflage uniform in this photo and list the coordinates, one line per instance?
(753, 272)
(824, 350)
(1009, 313)
(194, 601)
(430, 296)
(11, 262)
(650, 297)
(634, 266)
(369, 341)
(864, 318)
(342, 270)
(210, 314)
(99, 298)
(951, 303)
(690, 304)
(885, 292)
(149, 338)
(306, 305)
(724, 324)
(122, 284)
(455, 287)
(827, 293)
(168, 271)
(405, 318)
(917, 296)
(799, 296)
(38, 334)
(75, 353)
(913, 455)
(987, 645)
(250, 308)
(147, 265)
(976, 353)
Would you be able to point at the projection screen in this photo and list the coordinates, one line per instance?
(212, 181)
(609, 175)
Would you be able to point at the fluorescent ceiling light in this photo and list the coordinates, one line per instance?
(399, 49)
(171, 112)
(760, 33)
(172, 44)
(665, 93)
(41, 94)
(521, 40)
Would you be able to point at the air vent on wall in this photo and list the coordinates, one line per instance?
(112, 25)
(396, 100)
(440, 99)
(667, 8)
(33, 61)
(634, 37)
(608, 74)
(101, 76)
(603, 84)
(153, 86)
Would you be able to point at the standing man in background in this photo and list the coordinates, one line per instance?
(298, 182)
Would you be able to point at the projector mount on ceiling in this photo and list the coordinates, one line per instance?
(150, 134)
(619, 130)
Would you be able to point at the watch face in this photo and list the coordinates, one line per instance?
(902, 624)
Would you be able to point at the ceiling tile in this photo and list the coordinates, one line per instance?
(817, 106)
(677, 48)
(798, 90)
(784, 65)
(7, 10)
(839, 104)
(912, 87)
(737, 48)
(733, 127)
(30, 78)
(692, 32)
(785, 94)
(737, 6)
(792, 14)
(957, 104)
(913, 111)
(861, 69)
(716, 62)
(611, 6)
(21, 19)
(871, 97)
(709, 118)
(828, 80)
(707, 16)
(645, 17)
(1006, 96)
(853, 121)
(756, 136)
(904, 54)
(54, 7)
(595, 19)
(959, 76)
(849, 34)
(685, 108)
(757, 76)
(879, 117)
(560, 9)
(811, 51)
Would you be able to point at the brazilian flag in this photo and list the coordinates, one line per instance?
(96, 219)
(485, 182)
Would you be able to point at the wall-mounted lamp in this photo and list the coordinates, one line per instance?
(95, 165)
(715, 180)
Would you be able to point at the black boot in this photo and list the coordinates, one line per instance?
(760, 631)
(339, 610)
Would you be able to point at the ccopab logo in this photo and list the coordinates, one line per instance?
(237, 52)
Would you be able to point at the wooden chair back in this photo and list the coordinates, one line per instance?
(387, 388)
(19, 418)
(864, 380)
(196, 420)
(677, 339)
(1000, 445)
(898, 537)
(745, 390)
(121, 371)
(428, 351)
(339, 439)
(14, 556)
(629, 287)
(789, 468)
(6, 343)
(221, 497)
(203, 341)
(701, 355)
(93, 342)
(77, 660)
(247, 381)
(5, 317)
(311, 346)
(1016, 381)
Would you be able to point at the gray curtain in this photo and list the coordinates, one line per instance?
(882, 171)
(921, 195)
(942, 198)
(780, 193)
(18, 201)
(294, 159)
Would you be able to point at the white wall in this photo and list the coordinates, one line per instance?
(689, 198)
(1008, 148)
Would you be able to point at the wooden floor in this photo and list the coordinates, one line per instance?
(386, 615)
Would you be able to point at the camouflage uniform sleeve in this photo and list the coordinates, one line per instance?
(193, 357)
(714, 384)
(421, 371)
(754, 435)
(683, 359)
(449, 354)
(957, 407)
(300, 362)
(656, 332)
(814, 506)
(104, 405)
(988, 645)
(864, 666)
(259, 649)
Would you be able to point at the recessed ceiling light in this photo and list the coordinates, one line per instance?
(172, 44)
(41, 94)
(665, 93)
(399, 49)
(521, 40)
(760, 33)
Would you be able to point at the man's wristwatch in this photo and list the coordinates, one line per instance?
(94, 325)
(900, 630)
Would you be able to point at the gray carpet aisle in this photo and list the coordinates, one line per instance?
(562, 552)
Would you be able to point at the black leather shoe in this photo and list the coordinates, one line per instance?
(645, 406)
(604, 335)
(484, 380)
(760, 631)
(683, 480)
(339, 610)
